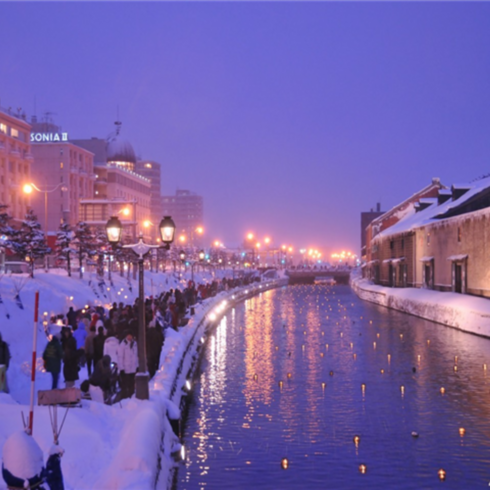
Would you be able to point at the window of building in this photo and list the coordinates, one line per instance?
(403, 244)
(61, 164)
(14, 133)
(459, 234)
(392, 244)
(428, 238)
(3, 128)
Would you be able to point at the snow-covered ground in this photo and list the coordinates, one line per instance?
(461, 311)
(125, 446)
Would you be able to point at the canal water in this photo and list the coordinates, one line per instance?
(291, 377)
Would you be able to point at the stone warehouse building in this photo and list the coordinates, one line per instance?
(441, 244)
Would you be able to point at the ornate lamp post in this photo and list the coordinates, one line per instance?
(167, 232)
(27, 189)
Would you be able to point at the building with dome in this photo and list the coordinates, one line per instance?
(119, 190)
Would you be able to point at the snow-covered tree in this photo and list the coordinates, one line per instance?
(64, 237)
(6, 230)
(84, 243)
(102, 248)
(29, 241)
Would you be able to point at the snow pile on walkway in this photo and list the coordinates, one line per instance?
(468, 313)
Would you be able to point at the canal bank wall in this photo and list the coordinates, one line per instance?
(463, 312)
(149, 447)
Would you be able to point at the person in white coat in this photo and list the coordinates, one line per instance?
(128, 364)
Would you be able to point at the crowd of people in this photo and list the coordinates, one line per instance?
(106, 342)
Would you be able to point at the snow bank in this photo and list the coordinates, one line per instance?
(468, 313)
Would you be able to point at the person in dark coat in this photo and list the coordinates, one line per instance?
(89, 349)
(5, 360)
(104, 376)
(98, 342)
(72, 318)
(52, 355)
(154, 343)
(70, 359)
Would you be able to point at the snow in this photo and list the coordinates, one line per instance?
(456, 258)
(22, 456)
(106, 447)
(467, 313)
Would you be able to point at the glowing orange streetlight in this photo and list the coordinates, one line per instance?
(267, 240)
(250, 236)
(182, 239)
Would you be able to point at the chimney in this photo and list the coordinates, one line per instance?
(378, 207)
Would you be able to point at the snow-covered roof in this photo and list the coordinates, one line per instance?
(406, 207)
(456, 258)
(431, 213)
(426, 259)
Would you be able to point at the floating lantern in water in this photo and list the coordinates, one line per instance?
(455, 359)
(71, 298)
(256, 377)
(462, 431)
(326, 346)
(362, 469)
(418, 358)
(363, 388)
(280, 384)
(442, 474)
(484, 367)
(374, 345)
(443, 390)
(277, 348)
(401, 336)
(324, 385)
(389, 357)
(428, 342)
(354, 356)
(289, 375)
(415, 434)
(382, 371)
(323, 333)
(331, 373)
(356, 440)
(284, 463)
(304, 332)
(351, 345)
(402, 389)
(321, 354)
(341, 334)
(303, 347)
(455, 368)
(377, 335)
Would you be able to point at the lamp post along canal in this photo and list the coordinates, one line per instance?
(114, 233)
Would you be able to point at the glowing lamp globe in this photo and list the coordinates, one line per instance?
(113, 230)
(167, 230)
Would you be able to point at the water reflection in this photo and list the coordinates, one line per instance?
(267, 393)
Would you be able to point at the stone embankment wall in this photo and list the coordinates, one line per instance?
(468, 313)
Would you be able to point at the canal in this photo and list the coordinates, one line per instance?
(291, 377)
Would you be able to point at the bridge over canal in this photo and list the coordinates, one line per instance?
(308, 276)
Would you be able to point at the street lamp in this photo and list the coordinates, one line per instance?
(201, 255)
(27, 189)
(114, 232)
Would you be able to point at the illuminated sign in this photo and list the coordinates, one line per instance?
(48, 137)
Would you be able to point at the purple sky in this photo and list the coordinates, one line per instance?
(289, 118)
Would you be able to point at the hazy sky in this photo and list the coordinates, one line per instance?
(289, 118)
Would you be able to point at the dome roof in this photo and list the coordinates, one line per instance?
(119, 149)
